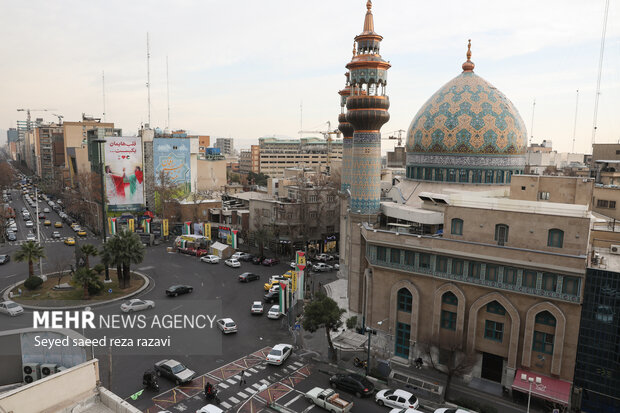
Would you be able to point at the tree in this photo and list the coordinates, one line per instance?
(262, 237)
(84, 276)
(259, 179)
(455, 361)
(61, 264)
(323, 312)
(89, 250)
(122, 250)
(165, 190)
(31, 252)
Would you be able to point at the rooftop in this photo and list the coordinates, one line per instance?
(513, 205)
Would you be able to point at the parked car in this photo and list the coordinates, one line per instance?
(271, 261)
(4, 258)
(293, 265)
(11, 308)
(279, 353)
(175, 290)
(397, 398)
(227, 325)
(353, 383)
(237, 255)
(324, 257)
(136, 305)
(274, 312)
(257, 308)
(322, 267)
(246, 257)
(231, 262)
(211, 259)
(248, 276)
(329, 400)
(174, 370)
(257, 260)
(272, 296)
(275, 280)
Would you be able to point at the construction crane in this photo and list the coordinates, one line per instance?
(327, 134)
(28, 119)
(59, 118)
(399, 137)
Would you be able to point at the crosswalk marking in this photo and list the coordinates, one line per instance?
(263, 381)
(222, 385)
(253, 370)
(225, 405)
(231, 381)
(242, 395)
(298, 364)
(234, 399)
(257, 385)
(293, 400)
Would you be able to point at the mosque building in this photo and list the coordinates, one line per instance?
(465, 254)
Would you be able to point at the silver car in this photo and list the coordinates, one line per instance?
(11, 308)
(136, 305)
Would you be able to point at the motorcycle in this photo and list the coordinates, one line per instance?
(360, 363)
(149, 379)
(211, 393)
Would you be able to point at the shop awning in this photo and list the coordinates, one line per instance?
(554, 390)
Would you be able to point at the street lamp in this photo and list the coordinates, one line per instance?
(370, 331)
(104, 219)
(530, 379)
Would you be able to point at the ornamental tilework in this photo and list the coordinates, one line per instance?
(366, 172)
(467, 116)
(484, 161)
(347, 152)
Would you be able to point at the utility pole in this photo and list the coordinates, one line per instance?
(101, 144)
(36, 199)
(600, 70)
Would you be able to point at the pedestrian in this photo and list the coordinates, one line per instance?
(242, 378)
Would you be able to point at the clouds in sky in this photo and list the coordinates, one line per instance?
(241, 69)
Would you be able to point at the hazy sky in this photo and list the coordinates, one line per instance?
(242, 68)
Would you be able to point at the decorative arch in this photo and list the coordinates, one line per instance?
(415, 308)
(514, 329)
(460, 315)
(558, 342)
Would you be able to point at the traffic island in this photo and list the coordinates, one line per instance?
(52, 294)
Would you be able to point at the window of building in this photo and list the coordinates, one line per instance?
(313, 215)
(510, 275)
(266, 213)
(491, 273)
(602, 203)
(501, 233)
(457, 267)
(441, 265)
(409, 258)
(555, 238)
(457, 226)
(425, 260)
(448, 320)
(543, 342)
(449, 298)
(330, 213)
(405, 300)
(546, 318)
(570, 285)
(494, 330)
(474, 269)
(529, 278)
(549, 281)
(331, 198)
(543, 196)
(313, 198)
(394, 255)
(496, 308)
(381, 253)
(329, 228)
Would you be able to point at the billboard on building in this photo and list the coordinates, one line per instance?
(124, 176)
(172, 157)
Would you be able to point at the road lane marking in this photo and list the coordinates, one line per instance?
(242, 395)
(292, 400)
(150, 267)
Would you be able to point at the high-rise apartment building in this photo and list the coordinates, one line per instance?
(277, 154)
(226, 145)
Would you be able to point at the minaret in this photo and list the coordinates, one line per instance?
(367, 108)
(347, 142)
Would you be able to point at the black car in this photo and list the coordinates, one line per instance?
(272, 296)
(246, 257)
(5, 258)
(248, 276)
(174, 371)
(175, 290)
(353, 383)
(257, 260)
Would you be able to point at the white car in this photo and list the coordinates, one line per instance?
(211, 259)
(397, 398)
(293, 265)
(451, 410)
(31, 237)
(274, 312)
(227, 325)
(11, 308)
(324, 257)
(209, 408)
(231, 262)
(279, 353)
(55, 234)
(257, 307)
(238, 255)
(29, 224)
(47, 210)
(136, 305)
(322, 267)
(274, 288)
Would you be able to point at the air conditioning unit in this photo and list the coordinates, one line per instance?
(614, 249)
(31, 372)
(48, 369)
(60, 368)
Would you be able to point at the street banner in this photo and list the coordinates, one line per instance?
(124, 173)
(300, 260)
(234, 238)
(187, 228)
(147, 226)
(207, 233)
(112, 224)
(164, 228)
(131, 224)
(301, 285)
(294, 278)
(281, 298)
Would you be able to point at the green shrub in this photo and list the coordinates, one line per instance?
(95, 287)
(32, 283)
(99, 268)
(351, 322)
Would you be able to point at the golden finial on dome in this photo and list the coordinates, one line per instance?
(468, 66)
(369, 25)
(369, 4)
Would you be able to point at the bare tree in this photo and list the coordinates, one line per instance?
(447, 357)
(165, 190)
(62, 265)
